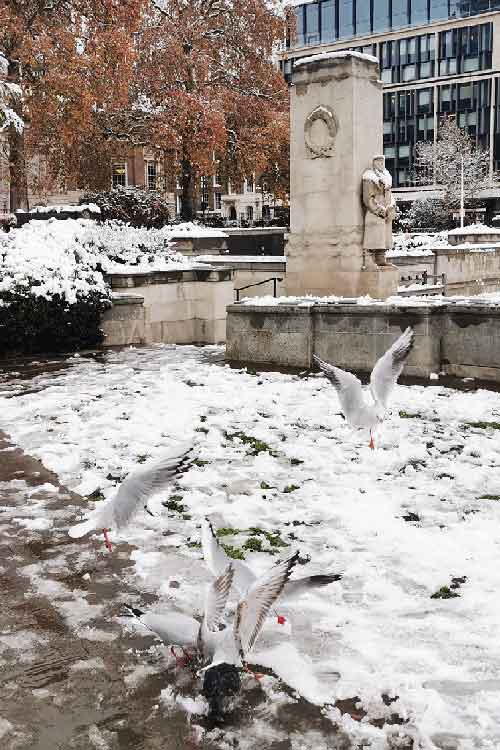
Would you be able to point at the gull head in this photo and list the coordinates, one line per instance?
(220, 684)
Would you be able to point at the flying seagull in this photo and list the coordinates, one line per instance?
(357, 410)
(133, 493)
(222, 649)
(217, 561)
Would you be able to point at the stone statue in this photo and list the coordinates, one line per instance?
(380, 210)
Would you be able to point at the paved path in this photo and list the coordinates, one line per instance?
(58, 691)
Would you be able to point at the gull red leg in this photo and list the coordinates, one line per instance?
(106, 540)
(371, 443)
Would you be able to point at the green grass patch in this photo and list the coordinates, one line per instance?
(199, 462)
(96, 495)
(234, 552)
(227, 531)
(253, 544)
(484, 425)
(194, 545)
(204, 430)
(174, 504)
(255, 446)
(445, 593)
(291, 488)
(409, 415)
(489, 497)
(296, 461)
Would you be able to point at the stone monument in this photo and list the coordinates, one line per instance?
(341, 207)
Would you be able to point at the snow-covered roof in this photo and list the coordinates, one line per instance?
(335, 56)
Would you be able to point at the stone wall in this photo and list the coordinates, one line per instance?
(468, 271)
(451, 338)
(176, 307)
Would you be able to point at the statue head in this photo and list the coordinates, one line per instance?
(379, 162)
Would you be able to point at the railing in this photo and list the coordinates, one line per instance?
(425, 279)
(274, 279)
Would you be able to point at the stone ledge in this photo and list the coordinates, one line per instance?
(147, 278)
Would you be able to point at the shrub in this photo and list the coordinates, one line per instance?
(431, 214)
(31, 324)
(134, 206)
(52, 286)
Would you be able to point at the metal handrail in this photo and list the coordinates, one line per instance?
(274, 279)
(424, 277)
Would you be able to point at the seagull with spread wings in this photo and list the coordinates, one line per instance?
(222, 649)
(357, 410)
(217, 561)
(133, 493)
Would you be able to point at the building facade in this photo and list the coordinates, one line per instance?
(437, 58)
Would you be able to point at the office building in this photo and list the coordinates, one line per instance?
(437, 58)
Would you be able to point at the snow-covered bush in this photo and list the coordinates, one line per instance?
(52, 285)
(429, 213)
(135, 206)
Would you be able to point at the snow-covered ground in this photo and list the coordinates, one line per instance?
(415, 518)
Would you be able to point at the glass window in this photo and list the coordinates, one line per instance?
(419, 11)
(312, 23)
(438, 9)
(217, 201)
(328, 21)
(119, 175)
(380, 15)
(345, 18)
(399, 13)
(363, 22)
(249, 213)
(151, 175)
(299, 26)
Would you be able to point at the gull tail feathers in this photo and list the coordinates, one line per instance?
(82, 529)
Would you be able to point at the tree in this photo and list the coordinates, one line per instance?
(441, 163)
(73, 60)
(206, 85)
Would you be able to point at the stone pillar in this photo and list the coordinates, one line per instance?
(336, 130)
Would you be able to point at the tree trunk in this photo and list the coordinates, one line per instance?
(17, 159)
(188, 190)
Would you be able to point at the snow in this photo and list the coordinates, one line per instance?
(66, 207)
(488, 298)
(345, 54)
(191, 230)
(417, 244)
(475, 229)
(237, 259)
(48, 258)
(376, 632)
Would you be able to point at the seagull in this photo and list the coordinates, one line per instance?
(222, 648)
(356, 409)
(134, 491)
(217, 561)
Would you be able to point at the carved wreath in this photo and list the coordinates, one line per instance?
(321, 150)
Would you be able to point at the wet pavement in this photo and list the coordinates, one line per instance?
(56, 690)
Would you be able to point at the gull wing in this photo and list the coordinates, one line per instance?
(390, 366)
(348, 387)
(134, 491)
(254, 608)
(173, 628)
(299, 586)
(217, 560)
(216, 600)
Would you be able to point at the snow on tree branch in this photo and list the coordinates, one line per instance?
(9, 94)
